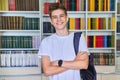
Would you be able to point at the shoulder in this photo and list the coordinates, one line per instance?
(49, 38)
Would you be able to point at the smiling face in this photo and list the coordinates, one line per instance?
(59, 19)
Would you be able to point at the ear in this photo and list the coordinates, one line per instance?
(50, 21)
(67, 18)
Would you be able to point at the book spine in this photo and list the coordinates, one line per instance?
(12, 5)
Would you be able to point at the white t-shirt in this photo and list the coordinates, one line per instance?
(61, 47)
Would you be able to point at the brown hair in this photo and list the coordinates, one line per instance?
(55, 6)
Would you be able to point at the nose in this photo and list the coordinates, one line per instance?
(58, 18)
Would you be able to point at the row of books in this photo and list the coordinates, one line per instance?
(70, 5)
(118, 26)
(101, 23)
(76, 23)
(46, 7)
(100, 41)
(48, 27)
(74, 5)
(80, 5)
(18, 59)
(80, 23)
(19, 5)
(22, 23)
(103, 58)
(118, 7)
(118, 45)
(73, 24)
(93, 5)
(19, 23)
(101, 5)
(19, 41)
(30, 58)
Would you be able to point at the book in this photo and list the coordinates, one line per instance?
(72, 24)
(12, 5)
(99, 41)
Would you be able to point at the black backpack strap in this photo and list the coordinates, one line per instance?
(90, 73)
(77, 36)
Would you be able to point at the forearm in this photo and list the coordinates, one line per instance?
(80, 61)
(76, 64)
(53, 69)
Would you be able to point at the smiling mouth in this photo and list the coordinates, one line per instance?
(60, 23)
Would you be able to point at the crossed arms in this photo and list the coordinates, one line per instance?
(51, 68)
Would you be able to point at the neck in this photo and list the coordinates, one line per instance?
(62, 33)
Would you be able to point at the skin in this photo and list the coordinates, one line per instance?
(59, 20)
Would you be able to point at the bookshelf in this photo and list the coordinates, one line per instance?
(20, 37)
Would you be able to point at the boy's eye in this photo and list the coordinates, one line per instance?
(61, 15)
(54, 17)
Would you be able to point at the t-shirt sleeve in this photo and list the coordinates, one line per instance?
(43, 49)
(83, 44)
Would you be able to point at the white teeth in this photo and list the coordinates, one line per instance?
(59, 23)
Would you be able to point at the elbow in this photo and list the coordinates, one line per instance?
(85, 67)
(46, 73)
(86, 64)
(82, 66)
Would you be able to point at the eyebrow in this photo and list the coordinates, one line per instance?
(60, 14)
